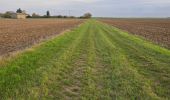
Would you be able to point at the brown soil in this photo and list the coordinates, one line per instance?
(156, 30)
(19, 34)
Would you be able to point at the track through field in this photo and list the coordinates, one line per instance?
(92, 62)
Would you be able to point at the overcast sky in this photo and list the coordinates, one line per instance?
(102, 8)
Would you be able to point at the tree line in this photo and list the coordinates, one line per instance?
(8, 14)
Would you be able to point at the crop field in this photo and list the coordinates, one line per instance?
(19, 34)
(94, 61)
(155, 30)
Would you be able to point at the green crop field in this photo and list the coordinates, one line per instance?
(94, 61)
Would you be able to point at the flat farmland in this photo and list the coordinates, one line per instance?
(78, 50)
(155, 30)
(93, 61)
(19, 34)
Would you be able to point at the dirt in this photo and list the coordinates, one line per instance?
(19, 34)
(155, 30)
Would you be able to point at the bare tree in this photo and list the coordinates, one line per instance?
(87, 15)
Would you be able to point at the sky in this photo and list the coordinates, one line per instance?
(98, 8)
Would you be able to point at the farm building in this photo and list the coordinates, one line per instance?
(19, 15)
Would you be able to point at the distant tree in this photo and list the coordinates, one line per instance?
(34, 15)
(72, 17)
(81, 17)
(28, 16)
(48, 13)
(7, 14)
(65, 16)
(1, 14)
(19, 10)
(59, 16)
(87, 15)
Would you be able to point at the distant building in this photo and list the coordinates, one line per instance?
(18, 15)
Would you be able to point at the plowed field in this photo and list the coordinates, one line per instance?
(155, 30)
(19, 34)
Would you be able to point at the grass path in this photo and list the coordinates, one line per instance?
(93, 62)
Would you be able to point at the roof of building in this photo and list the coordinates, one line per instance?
(20, 13)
